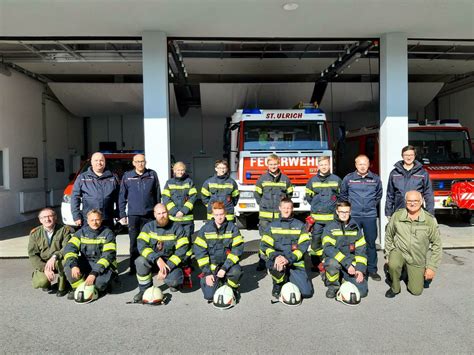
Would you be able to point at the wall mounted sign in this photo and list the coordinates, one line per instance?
(30, 168)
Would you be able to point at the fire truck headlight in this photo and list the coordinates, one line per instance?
(246, 194)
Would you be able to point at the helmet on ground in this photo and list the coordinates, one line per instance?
(152, 295)
(85, 293)
(290, 295)
(224, 297)
(348, 294)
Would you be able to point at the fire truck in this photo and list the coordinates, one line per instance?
(297, 136)
(443, 147)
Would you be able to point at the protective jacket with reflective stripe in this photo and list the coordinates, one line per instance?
(97, 246)
(322, 193)
(220, 188)
(169, 242)
(179, 195)
(269, 191)
(401, 181)
(95, 192)
(287, 237)
(218, 246)
(364, 193)
(40, 250)
(141, 192)
(346, 244)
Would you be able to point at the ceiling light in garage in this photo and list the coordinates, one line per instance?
(290, 6)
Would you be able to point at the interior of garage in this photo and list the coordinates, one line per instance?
(77, 95)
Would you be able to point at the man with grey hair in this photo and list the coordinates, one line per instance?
(412, 242)
(96, 188)
(45, 251)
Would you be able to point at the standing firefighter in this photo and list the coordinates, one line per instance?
(322, 192)
(271, 188)
(344, 252)
(220, 187)
(218, 248)
(163, 245)
(179, 196)
(90, 254)
(284, 244)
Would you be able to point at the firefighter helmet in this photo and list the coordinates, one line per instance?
(152, 295)
(224, 298)
(348, 294)
(85, 293)
(290, 295)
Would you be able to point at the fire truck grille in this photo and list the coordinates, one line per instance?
(443, 185)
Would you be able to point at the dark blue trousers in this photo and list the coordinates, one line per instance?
(369, 228)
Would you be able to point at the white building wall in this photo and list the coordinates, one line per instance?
(21, 135)
(459, 105)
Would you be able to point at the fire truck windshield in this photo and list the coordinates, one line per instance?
(441, 147)
(285, 135)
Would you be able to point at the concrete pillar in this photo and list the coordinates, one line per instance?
(155, 103)
(393, 107)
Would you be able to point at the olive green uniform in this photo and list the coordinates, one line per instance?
(40, 250)
(408, 244)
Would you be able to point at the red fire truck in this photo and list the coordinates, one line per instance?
(297, 136)
(443, 147)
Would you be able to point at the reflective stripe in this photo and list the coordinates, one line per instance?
(290, 189)
(144, 280)
(338, 232)
(77, 283)
(144, 236)
(258, 189)
(203, 261)
(166, 192)
(273, 184)
(278, 279)
(213, 185)
(328, 240)
(192, 191)
(332, 278)
(186, 218)
(189, 252)
(181, 242)
(304, 237)
(75, 240)
(213, 267)
(232, 283)
(361, 259)
(266, 214)
(146, 252)
(351, 233)
(299, 264)
(339, 256)
(319, 252)
(205, 192)
(233, 257)
(70, 255)
(235, 193)
(309, 192)
(268, 240)
(229, 217)
(269, 251)
(164, 237)
(212, 235)
(237, 240)
(189, 205)
(325, 184)
(109, 246)
(179, 187)
(200, 242)
(323, 216)
(360, 242)
(175, 259)
(279, 230)
(85, 240)
(298, 254)
(170, 205)
(104, 262)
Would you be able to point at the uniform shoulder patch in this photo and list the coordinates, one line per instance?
(35, 229)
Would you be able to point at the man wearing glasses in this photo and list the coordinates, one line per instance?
(408, 175)
(345, 255)
(413, 243)
(140, 188)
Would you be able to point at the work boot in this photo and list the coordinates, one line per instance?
(70, 295)
(138, 298)
(331, 292)
(276, 290)
(390, 293)
(62, 293)
(132, 271)
(374, 276)
(236, 295)
(261, 265)
(173, 289)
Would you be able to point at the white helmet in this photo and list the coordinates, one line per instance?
(152, 295)
(348, 294)
(85, 293)
(224, 297)
(290, 295)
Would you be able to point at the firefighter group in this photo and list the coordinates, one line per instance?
(339, 236)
